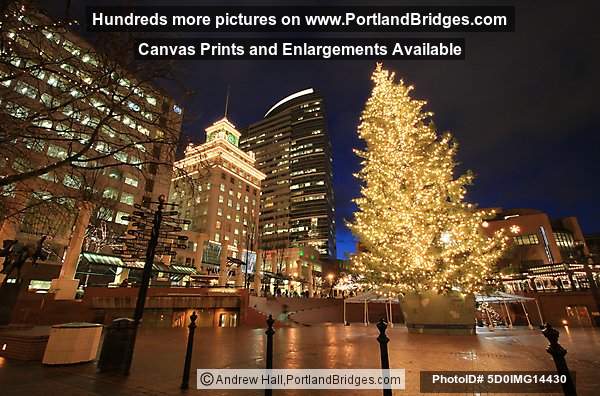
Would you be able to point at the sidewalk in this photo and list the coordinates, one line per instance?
(158, 361)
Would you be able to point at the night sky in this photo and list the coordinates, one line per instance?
(523, 106)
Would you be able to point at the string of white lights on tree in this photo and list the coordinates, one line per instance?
(415, 230)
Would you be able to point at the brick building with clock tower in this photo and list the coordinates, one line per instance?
(219, 192)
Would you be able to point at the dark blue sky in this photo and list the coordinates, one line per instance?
(523, 106)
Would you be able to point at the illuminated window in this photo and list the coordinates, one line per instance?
(132, 181)
(51, 35)
(121, 156)
(525, 240)
(564, 240)
(50, 176)
(119, 218)
(72, 181)
(16, 111)
(72, 48)
(102, 147)
(26, 90)
(104, 214)
(34, 144)
(110, 193)
(57, 151)
(127, 198)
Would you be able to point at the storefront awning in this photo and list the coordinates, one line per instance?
(105, 259)
(501, 297)
(180, 269)
(114, 261)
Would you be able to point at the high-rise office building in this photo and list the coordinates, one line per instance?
(100, 140)
(292, 148)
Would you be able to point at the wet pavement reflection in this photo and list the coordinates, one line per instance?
(158, 360)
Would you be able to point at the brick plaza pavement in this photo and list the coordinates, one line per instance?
(158, 361)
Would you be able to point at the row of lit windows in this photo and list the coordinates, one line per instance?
(237, 204)
(316, 114)
(238, 208)
(305, 105)
(113, 193)
(232, 181)
(302, 146)
(217, 238)
(278, 231)
(59, 82)
(525, 240)
(564, 240)
(85, 57)
(312, 197)
(306, 152)
(117, 174)
(107, 214)
(238, 219)
(68, 110)
(236, 231)
(307, 184)
(303, 172)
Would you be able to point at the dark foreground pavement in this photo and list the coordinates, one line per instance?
(158, 360)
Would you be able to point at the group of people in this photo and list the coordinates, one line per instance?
(266, 292)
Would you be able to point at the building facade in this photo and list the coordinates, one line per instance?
(550, 261)
(293, 150)
(61, 97)
(291, 271)
(219, 191)
(538, 240)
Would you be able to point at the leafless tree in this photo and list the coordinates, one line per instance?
(71, 110)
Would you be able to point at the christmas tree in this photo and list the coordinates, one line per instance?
(415, 229)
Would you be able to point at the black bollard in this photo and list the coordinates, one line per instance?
(385, 361)
(185, 382)
(269, 333)
(558, 354)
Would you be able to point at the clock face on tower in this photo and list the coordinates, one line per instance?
(231, 138)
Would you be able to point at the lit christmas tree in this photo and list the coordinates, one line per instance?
(416, 231)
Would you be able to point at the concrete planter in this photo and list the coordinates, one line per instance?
(72, 343)
(433, 313)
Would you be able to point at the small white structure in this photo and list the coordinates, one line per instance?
(72, 343)
(372, 297)
(502, 299)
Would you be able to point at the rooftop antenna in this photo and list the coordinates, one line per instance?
(226, 101)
